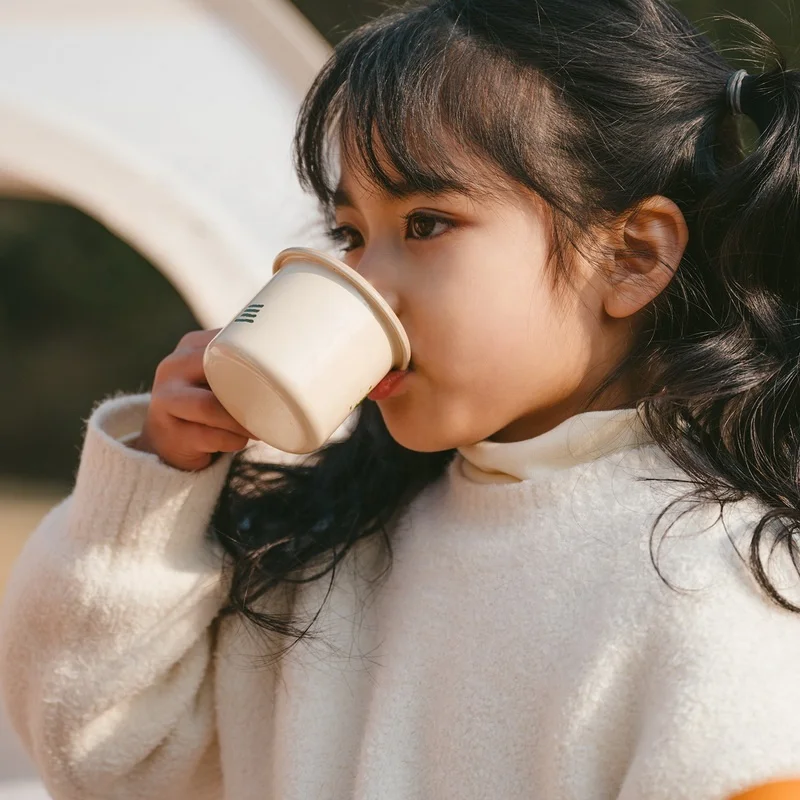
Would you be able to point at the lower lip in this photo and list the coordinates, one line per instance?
(389, 386)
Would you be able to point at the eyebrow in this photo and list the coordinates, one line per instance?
(341, 199)
(402, 191)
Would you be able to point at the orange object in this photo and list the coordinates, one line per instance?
(785, 790)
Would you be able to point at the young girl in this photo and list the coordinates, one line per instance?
(589, 480)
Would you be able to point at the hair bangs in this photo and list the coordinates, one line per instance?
(416, 106)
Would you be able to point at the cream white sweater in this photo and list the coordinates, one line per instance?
(523, 646)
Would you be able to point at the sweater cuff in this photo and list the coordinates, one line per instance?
(127, 498)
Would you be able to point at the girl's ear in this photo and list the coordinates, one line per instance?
(649, 246)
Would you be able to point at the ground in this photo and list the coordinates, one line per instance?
(21, 507)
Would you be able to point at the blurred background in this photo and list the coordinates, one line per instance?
(145, 185)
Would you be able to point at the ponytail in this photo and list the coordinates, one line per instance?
(740, 434)
(760, 197)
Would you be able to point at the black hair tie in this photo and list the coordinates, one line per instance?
(734, 91)
(744, 97)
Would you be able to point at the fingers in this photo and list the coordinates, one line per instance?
(197, 340)
(186, 360)
(204, 439)
(185, 423)
(195, 404)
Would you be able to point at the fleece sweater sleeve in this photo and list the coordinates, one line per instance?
(106, 665)
(721, 713)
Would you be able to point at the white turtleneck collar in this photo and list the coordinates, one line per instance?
(579, 439)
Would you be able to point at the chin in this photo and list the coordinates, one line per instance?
(421, 444)
(420, 435)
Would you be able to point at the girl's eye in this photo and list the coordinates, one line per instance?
(347, 237)
(418, 226)
(426, 226)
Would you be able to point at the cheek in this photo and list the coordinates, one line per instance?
(478, 373)
(496, 335)
(493, 341)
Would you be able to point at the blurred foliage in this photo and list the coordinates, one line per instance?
(779, 18)
(82, 315)
(335, 18)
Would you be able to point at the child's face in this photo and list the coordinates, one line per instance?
(496, 352)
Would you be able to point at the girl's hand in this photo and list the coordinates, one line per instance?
(186, 424)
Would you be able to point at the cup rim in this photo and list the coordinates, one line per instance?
(401, 347)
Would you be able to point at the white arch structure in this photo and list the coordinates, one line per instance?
(169, 121)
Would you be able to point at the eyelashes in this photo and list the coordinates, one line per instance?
(419, 226)
(344, 236)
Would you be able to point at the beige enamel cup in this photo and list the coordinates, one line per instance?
(298, 359)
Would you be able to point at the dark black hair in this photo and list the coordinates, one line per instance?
(593, 105)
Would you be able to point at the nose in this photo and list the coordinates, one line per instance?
(379, 270)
